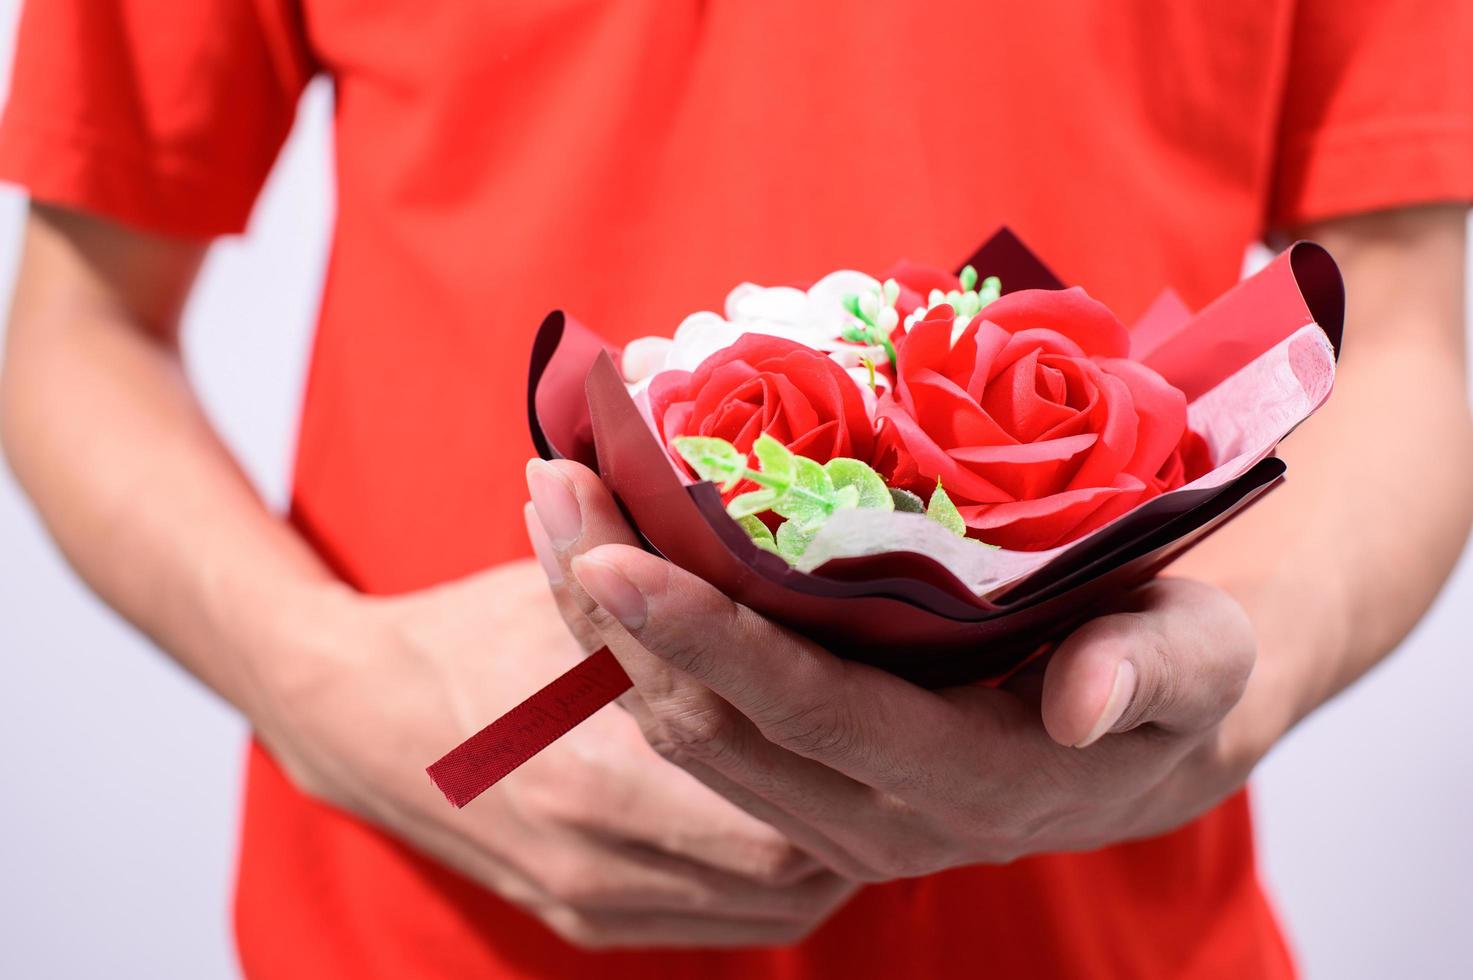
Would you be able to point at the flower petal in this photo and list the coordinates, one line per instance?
(1014, 402)
(950, 415)
(1027, 470)
(1114, 418)
(1071, 312)
(645, 357)
(932, 462)
(1035, 525)
(1161, 408)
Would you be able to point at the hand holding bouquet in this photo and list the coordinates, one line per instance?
(936, 474)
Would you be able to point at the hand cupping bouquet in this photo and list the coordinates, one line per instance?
(934, 473)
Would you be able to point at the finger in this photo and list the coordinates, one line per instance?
(801, 698)
(841, 847)
(688, 724)
(583, 631)
(576, 510)
(450, 846)
(590, 872)
(574, 502)
(861, 833)
(863, 722)
(604, 777)
(1178, 659)
(822, 810)
(622, 930)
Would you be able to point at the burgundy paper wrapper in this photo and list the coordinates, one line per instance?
(903, 612)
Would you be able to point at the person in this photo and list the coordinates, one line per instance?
(756, 807)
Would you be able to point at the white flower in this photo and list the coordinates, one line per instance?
(815, 318)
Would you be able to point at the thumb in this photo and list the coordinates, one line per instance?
(1179, 659)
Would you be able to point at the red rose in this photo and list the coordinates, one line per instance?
(797, 395)
(1036, 421)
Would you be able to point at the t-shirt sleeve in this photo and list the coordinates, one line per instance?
(1377, 109)
(161, 114)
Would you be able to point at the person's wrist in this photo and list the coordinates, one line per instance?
(295, 646)
(1255, 724)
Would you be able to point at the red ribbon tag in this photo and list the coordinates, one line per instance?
(478, 763)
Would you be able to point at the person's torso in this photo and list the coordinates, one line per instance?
(630, 161)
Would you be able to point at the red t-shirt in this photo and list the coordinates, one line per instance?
(631, 160)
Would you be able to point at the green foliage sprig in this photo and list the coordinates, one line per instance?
(874, 318)
(972, 297)
(801, 491)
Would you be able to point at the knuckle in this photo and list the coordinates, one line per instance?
(819, 728)
(933, 846)
(685, 648)
(857, 868)
(1163, 687)
(924, 857)
(599, 618)
(694, 729)
(580, 625)
(890, 860)
(569, 799)
(1000, 853)
(688, 647)
(576, 929)
(778, 864)
(574, 884)
(557, 880)
(905, 844)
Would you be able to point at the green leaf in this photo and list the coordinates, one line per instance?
(773, 458)
(759, 533)
(745, 505)
(944, 512)
(793, 539)
(870, 488)
(846, 498)
(907, 502)
(810, 498)
(713, 459)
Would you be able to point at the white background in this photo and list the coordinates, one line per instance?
(119, 777)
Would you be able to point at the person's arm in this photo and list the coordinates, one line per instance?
(1338, 564)
(1144, 718)
(353, 695)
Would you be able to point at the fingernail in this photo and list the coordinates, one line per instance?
(1120, 694)
(610, 589)
(541, 547)
(555, 503)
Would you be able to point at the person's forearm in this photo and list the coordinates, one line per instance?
(1336, 566)
(103, 432)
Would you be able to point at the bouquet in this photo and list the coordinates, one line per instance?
(936, 473)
